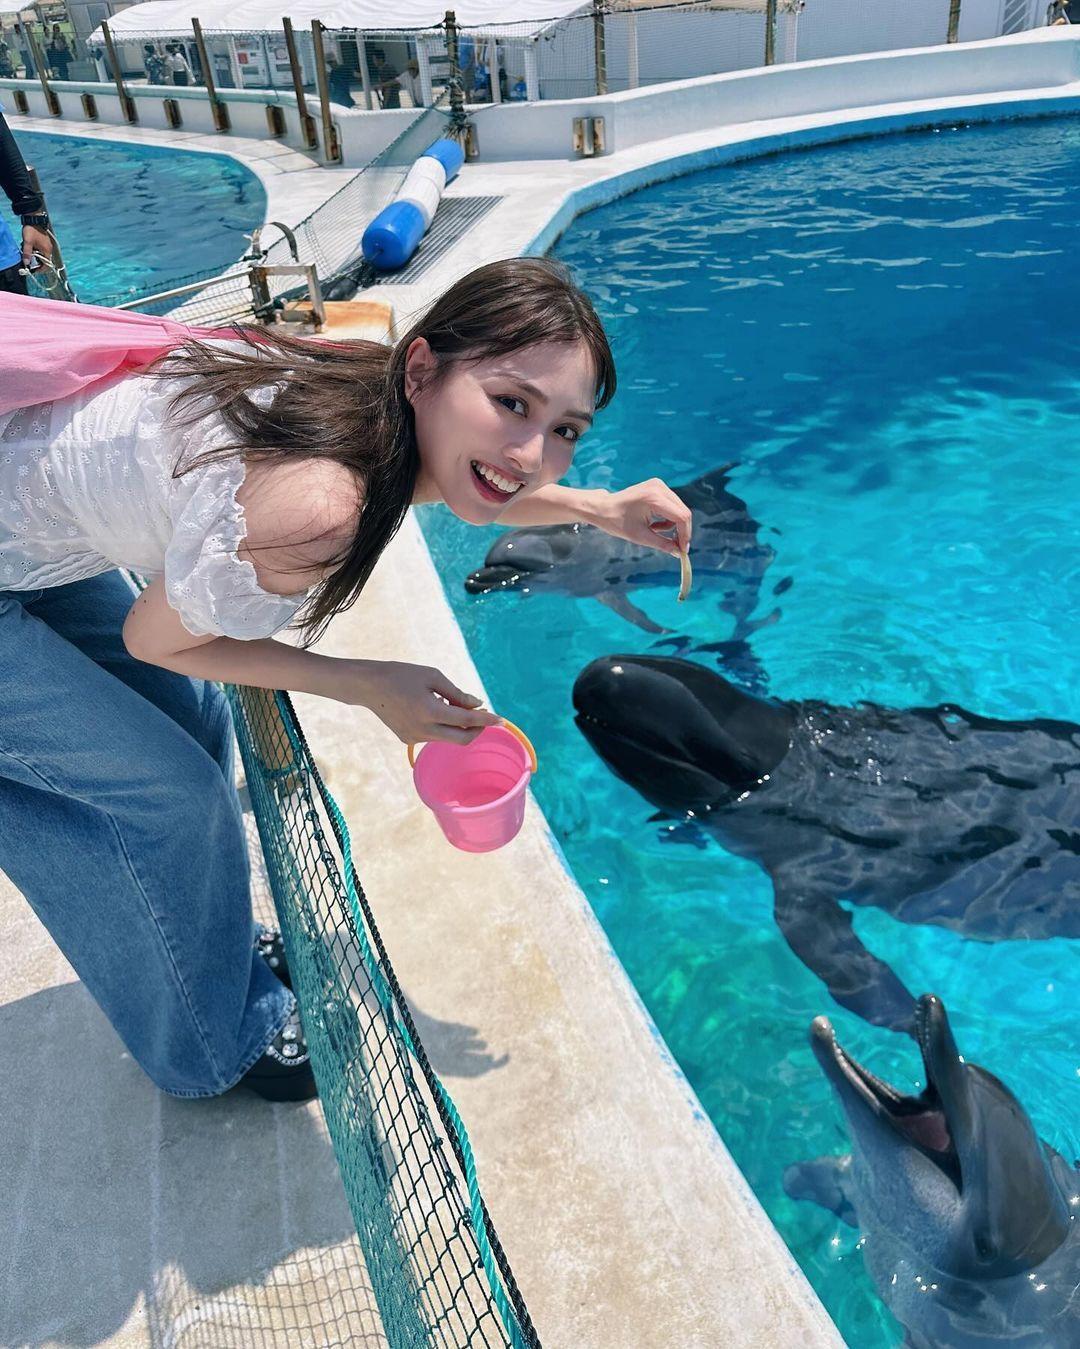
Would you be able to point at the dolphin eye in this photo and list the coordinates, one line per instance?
(983, 1248)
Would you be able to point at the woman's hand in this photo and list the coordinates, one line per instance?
(649, 513)
(416, 702)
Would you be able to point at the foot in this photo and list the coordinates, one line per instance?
(284, 1071)
(272, 949)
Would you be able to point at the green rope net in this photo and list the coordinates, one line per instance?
(437, 1270)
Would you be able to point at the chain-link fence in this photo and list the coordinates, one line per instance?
(435, 1268)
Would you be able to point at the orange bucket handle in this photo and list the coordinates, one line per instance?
(514, 730)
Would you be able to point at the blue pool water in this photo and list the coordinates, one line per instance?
(135, 218)
(884, 335)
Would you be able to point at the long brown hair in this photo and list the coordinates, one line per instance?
(345, 400)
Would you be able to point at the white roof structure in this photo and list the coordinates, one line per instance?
(172, 18)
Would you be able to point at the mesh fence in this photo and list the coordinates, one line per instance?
(329, 237)
(624, 46)
(437, 1271)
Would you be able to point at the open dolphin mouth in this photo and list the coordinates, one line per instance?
(921, 1121)
(486, 579)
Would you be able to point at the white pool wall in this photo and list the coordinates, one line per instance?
(1043, 60)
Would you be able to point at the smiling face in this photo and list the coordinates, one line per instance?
(490, 431)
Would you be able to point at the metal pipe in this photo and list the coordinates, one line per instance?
(770, 32)
(493, 67)
(532, 73)
(423, 60)
(954, 21)
(365, 71)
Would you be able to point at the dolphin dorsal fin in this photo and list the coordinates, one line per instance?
(704, 490)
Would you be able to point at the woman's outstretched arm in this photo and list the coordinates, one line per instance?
(649, 513)
(296, 517)
(417, 702)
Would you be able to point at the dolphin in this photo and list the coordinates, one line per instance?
(969, 1220)
(583, 561)
(933, 814)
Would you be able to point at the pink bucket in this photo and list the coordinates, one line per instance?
(477, 791)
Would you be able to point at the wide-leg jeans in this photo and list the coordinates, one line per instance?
(120, 823)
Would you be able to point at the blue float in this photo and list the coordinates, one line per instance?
(394, 235)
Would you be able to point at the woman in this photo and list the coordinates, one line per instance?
(256, 482)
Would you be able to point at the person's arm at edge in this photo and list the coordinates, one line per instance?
(14, 178)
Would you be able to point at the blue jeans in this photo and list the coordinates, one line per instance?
(120, 823)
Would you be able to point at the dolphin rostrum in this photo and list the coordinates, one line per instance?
(583, 561)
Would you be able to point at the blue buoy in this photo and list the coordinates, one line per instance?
(392, 237)
(449, 154)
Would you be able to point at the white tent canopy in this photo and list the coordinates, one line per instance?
(172, 18)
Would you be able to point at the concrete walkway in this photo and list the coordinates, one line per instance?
(129, 1218)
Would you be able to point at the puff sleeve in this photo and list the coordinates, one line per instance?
(207, 583)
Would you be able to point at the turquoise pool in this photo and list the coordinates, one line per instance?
(135, 218)
(884, 336)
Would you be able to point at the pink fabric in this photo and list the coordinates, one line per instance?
(50, 349)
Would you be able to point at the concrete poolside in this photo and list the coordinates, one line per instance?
(622, 1214)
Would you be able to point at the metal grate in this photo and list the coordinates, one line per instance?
(454, 218)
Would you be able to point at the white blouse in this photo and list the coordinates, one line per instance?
(86, 485)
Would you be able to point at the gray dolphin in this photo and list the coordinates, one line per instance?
(933, 814)
(582, 561)
(969, 1220)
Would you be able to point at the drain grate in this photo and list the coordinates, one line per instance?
(454, 218)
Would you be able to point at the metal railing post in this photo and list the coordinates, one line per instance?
(127, 103)
(365, 71)
(770, 32)
(308, 134)
(954, 21)
(457, 89)
(331, 144)
(599, 46)
(51, 101)
(218, 111)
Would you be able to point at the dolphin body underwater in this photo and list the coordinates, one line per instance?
(970, 1222)
(583, 561)
(932, 814)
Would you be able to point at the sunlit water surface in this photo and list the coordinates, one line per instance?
(138, 218)
(884, 335)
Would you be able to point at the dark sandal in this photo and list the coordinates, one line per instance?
(270, 946)
(284, 1072)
